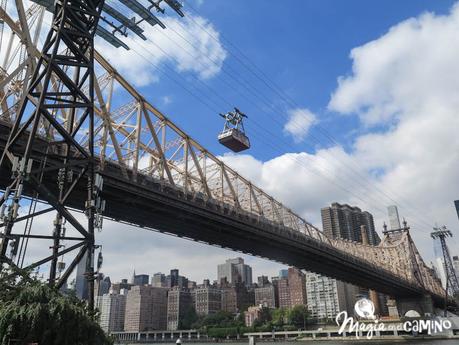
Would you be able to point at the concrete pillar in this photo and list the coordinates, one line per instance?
(423, 305)
(372, 294)
(392, 308)
(375, 299)
(252, 340)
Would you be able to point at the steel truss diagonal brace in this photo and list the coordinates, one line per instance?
(69, 112)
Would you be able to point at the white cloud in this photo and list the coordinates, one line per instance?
(191, 43)
(299, 122)
(166, 100)
(402, 72)
(296, 179)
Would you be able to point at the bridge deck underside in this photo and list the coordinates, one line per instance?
(151, 204)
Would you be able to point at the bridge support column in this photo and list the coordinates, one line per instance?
(392, 308)
(423, 305)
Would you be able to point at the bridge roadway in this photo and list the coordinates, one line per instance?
(149, 203)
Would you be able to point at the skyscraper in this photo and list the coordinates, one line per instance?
(112, 307)
(236, 298)
(266, 295)
(297, 286)
(347, 222)
(179, 302)
(235, 271)
(174, 278)
(344, 221)
(283, 291)
(262, 281)
(283, 273)
(81, 282)
(322, 296)
(456, 265)
(146, 309)
(208, 299)
(394, 219)
(140, 279)
(102, 285)
(117, 287)
(158, 280)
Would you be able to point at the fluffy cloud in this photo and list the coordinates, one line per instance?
(302, 181)
(406, 72)
(406, 79)
(299, 122)
(191, 43)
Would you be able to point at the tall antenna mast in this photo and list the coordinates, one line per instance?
(452, 283)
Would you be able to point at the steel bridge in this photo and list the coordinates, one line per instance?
(158, 177)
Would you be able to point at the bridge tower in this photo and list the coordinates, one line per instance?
(50, 161)
(452, 282)
(424, 303)
(60, 115)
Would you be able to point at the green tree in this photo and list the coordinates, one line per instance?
(31, 311)
(279, 317)
(299, 316)
(265, 315)
(221, 319)
(189, 318)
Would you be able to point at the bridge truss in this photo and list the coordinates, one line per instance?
(145, 145)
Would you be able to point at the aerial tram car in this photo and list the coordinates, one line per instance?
(233, 135)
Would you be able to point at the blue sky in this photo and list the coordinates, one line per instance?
(303, 46)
